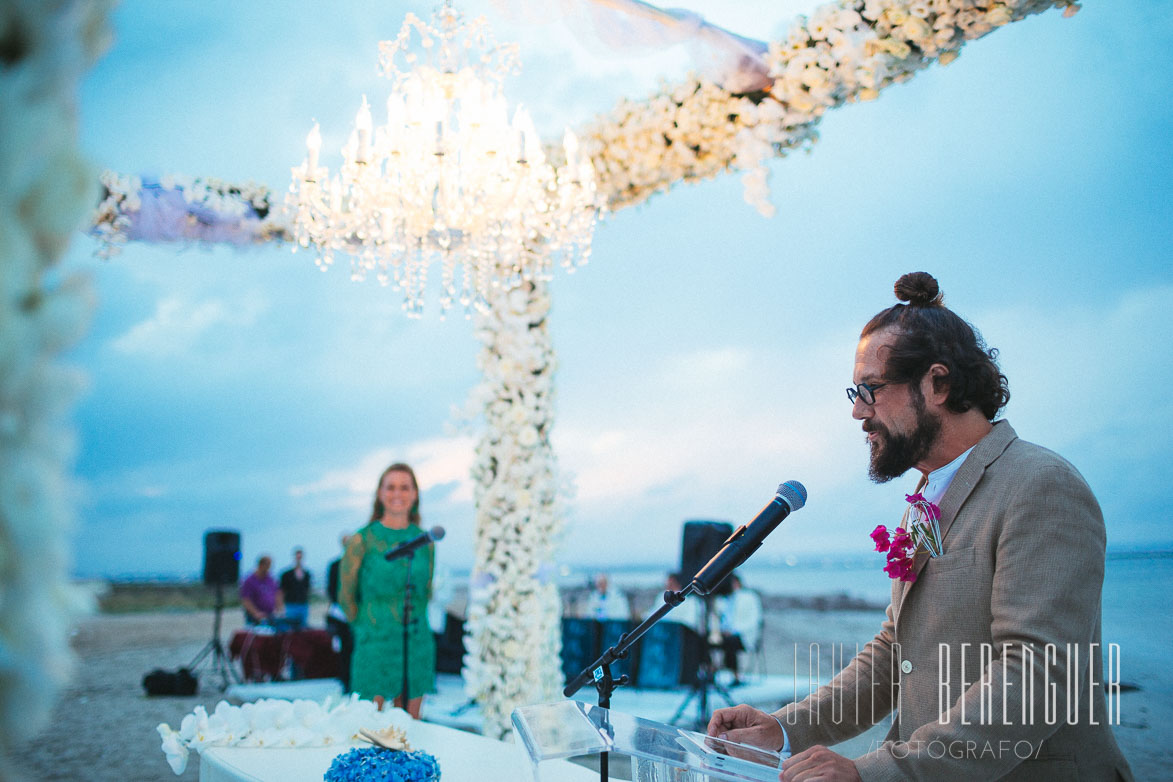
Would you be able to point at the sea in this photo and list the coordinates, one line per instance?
(1136, 616)
(1136, 597)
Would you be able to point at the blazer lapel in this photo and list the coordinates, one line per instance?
(904, 585)
(988, 449)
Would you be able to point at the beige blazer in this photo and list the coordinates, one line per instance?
(1022, 567)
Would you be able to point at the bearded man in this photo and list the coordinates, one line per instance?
(989, 660)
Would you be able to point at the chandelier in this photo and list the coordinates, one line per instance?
(449, 178)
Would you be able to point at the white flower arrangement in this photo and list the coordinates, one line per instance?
(278, 723)
(110, 223)
(844, 52)
(44, 195)
(513, 638)
(686, 132)
(184, 209)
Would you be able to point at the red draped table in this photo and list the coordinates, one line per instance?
(263, 656)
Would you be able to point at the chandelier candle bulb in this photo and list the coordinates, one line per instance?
(362, 125)
(570, 143)
(313, 145)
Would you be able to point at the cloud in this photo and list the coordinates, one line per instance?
(706, 419)
(436, 461)
(445, 460)
(1078, 371)
(706, 432)
(177, 326)
(347, 480)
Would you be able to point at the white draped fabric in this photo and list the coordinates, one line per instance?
(736, 63)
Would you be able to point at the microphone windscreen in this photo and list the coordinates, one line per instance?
(436, 533)
(793, 494)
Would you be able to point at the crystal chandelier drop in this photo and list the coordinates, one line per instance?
(449, 177)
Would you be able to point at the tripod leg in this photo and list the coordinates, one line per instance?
(724, 693)
(209, 647)
(684, 705)
(223, 665)
(220, 662)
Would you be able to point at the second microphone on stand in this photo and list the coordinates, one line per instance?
(402, 550)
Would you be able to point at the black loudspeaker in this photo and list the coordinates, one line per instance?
(221, 557)
(701, 541)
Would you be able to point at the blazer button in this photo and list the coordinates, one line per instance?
(906, 666)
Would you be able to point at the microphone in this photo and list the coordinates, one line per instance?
(748, 538)
(403, 549)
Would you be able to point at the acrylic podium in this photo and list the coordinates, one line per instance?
(659, 752)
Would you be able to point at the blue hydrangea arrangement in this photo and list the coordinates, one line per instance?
(364, 764)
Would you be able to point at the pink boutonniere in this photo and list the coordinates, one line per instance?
(904, 543)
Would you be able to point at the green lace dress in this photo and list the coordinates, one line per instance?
(376, 617)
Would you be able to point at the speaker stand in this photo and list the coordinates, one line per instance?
(705, 678)
(213, 650)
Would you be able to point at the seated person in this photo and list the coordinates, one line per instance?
(741, 624)
(605, 603)
(260, 596)
(693, 649)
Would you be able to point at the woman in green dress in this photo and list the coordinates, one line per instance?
(371, 591)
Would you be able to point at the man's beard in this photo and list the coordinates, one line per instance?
(895, 454)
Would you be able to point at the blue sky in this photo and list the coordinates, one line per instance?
(702, 353)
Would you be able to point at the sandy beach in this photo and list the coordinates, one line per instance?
(103, 727)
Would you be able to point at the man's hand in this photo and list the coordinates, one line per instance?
(819, 763)
(746, 725)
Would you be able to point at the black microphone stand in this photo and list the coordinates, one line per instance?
(599, 671)
(406, 624)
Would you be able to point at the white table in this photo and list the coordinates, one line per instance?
(462, 756)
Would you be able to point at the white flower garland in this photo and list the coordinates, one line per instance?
(513, 638)
(688, 131)
(44, 193)
(275, 723)
(846, 51)
(184, 209)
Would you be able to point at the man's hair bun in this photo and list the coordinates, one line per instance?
(923, 333)
(919, 289)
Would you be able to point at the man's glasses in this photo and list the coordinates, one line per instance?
(865, 392)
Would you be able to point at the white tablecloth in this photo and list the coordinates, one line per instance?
(462, 756)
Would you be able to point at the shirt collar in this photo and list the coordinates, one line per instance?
(939, 479)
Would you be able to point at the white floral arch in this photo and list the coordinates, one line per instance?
(844, 52)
